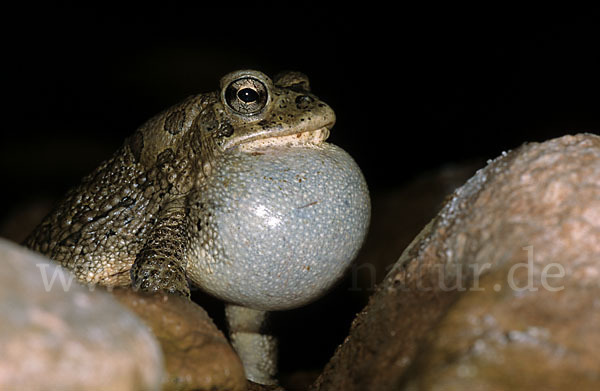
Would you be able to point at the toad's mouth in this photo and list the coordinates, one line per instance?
(308, 137)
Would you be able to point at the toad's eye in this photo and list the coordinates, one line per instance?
(246, 96)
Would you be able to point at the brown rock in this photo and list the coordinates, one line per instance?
(397, 216)
(474, 302)
(57, 334)
(197, 354)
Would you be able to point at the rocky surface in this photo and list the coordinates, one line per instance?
(56, 334)
(197, 354)
(499, 291)
(398, 215)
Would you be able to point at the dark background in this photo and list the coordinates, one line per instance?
(413, 89)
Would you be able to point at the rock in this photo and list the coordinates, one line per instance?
(197, 354)
(499, 291)
(398, 215)
(57, 334)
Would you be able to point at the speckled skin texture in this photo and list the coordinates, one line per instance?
(235, 190)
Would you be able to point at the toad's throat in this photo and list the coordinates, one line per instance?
(309, 137)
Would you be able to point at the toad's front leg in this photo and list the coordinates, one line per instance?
(160, 265)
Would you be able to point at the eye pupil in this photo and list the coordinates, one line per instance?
(247, 95)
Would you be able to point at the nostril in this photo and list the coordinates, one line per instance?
(303, 101)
